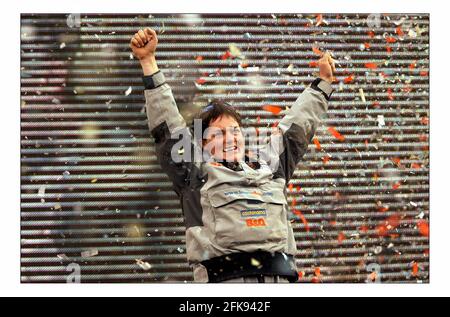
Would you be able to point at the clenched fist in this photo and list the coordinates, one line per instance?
(326, 67)
(143, 44)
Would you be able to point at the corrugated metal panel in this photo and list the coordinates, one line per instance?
(95, 198)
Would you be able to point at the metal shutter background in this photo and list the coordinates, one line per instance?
(93, 194)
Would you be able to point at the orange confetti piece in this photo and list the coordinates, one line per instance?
(316, 50)
(325, 159)
(390, 39)
(390, 95)
(371, 34)
(317, 143)
(382, 230)
(424, 228)
(199, 58)
(415, 165)
(317, 272)
(200, 81)
(388, 49)
(415, 269)
(226, 55)
(396, 185)
(336, 134)
(373, 276)
(423, 73)
(424, 120)
(302, 218)
(371, 65)
(391, 223)
(313, 64)
(341, 237)
(375, 177)
(399, 31)
(271, 108)
(319, 19)
(396, 160)
(363, 229)
(348, 79)
(244, 65)
(366, 45)
(291, 187)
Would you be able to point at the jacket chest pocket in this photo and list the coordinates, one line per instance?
(249, 217)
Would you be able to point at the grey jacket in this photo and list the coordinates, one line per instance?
(243, 209)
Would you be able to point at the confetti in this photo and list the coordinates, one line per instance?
(144, 265)
(348, 79)
(362, 95)
(371, 65)
(317, 272)
(41, 193)
(63, 257)
(336, 134)
(415, 269)
(390, 95)
(319, 19)
(89, 253)
(424, 228)
(380, 120)
(303, 219)
(390, 39)
(272, 108)
(399, 31)
(317, 143)
(341, 237)
(234, 51)
(200, 81)
(227, 55)
(128, 91)
(316, 50)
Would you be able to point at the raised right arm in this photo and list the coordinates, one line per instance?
(164, 119)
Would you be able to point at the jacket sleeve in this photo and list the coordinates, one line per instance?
(296, 130)
(167, 127)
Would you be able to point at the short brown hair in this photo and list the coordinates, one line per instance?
(214, 110)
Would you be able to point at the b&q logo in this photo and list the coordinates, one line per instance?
(256, 222)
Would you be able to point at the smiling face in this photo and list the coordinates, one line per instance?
(223, 139)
